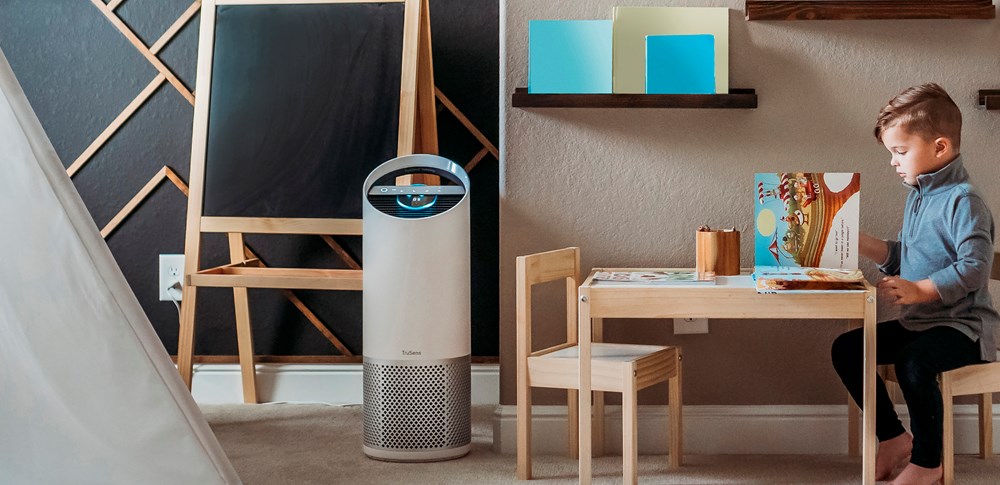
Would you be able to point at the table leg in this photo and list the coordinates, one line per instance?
(853, 412)
(585, 386)
(868, 450)
(598, 333)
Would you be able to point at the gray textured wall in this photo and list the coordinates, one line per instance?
(629, 186)
(79, 72)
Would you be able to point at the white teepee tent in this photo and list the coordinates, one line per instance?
(87, 392)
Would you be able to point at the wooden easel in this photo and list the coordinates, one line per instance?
(417, 134)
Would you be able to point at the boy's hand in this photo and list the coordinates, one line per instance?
(906, 292)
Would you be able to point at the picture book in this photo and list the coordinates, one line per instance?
(680, 64)
(569, 56)
(773, 279)
(654, 277)
(806, 230)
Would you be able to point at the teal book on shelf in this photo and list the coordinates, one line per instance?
(680, 64)
(570, 56)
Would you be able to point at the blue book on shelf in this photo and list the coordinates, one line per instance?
(569, 56)
(680, 64)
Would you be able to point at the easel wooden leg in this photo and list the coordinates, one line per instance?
(244, 331)
(185, 338)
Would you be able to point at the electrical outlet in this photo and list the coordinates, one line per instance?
(690, 325)
(171, 271)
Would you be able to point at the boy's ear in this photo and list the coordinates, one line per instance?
(942, 146)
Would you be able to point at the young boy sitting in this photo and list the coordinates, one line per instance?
(938, 273)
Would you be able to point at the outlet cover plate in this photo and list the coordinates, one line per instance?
(171, 271)
(690, 325)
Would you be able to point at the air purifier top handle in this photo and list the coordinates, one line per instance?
(413, 164)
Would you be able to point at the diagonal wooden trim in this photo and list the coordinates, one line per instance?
(313, 319)
(468, 124)
(115, 125)
(157, 63)
(140, 99)
(475, 160)
(164, 173)
(316, 322)
(132, 204)
(113, 4)
(337, 248)
(176, 179)
(176, 27)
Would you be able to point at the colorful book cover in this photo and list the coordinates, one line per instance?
(680, 64)
(807, 220)
(654, 277)
(570, 56)
(633, 24)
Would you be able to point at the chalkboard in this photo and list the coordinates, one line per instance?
(304, 104)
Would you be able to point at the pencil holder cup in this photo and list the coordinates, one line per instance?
(718, 252)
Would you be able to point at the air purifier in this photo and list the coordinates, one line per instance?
(417, 312)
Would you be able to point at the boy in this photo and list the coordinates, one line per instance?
(938, 273)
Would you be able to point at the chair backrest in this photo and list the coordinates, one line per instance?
(540, 268)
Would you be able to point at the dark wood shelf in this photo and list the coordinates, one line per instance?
(989, 99)
(868, 9)
(736, 99)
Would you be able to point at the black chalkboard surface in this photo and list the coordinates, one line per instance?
(304, 104)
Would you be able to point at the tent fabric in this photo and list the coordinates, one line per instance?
(88, 394)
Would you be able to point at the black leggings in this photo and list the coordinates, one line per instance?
(918, 357)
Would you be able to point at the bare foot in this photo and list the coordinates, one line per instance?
(918, 475)
(892, 453)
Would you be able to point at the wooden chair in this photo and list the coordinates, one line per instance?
(978, 379)
(620, 368)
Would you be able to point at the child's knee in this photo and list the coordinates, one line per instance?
(912, 371)
(845, 347)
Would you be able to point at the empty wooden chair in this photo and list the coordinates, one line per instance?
(979, 379)
(623, 368)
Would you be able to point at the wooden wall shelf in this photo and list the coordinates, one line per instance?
(868, 9)
(736, 99)
(989, 99)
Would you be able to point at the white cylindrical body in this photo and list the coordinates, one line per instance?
(417, 312)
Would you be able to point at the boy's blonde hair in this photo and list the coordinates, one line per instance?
(926, 111)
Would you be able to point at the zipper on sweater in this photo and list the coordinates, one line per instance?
(916, 209)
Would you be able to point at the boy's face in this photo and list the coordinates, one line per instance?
(914, 155)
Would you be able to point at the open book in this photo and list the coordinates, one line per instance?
(806, 231)
(654, 277)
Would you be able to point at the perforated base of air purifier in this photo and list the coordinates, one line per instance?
(417, 408)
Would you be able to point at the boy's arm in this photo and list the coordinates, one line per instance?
(884, 253)
(972, 233)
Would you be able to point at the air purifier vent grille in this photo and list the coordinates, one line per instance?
(418, 407)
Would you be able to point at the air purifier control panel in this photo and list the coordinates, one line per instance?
(417, 190)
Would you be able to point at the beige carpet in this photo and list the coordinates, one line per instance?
(278, 444)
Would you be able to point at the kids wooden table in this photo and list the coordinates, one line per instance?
(733, 297)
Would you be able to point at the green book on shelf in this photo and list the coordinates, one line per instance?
(633, 24)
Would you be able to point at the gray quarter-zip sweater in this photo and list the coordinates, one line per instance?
(948, 237)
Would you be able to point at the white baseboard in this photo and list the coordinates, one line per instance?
(326, 383)
(785, 430)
